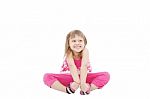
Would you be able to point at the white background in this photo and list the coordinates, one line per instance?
(32, 40)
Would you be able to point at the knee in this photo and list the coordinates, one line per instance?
(102, 79)
(106, 76)
(47, 78)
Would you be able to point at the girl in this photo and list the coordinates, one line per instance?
(77, 63)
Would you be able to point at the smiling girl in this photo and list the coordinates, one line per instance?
(77, 63)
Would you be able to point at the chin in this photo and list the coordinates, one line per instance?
(78, 51)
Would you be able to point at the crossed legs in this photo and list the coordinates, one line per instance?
(61, 81)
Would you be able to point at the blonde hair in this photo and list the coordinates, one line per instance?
(71, 35)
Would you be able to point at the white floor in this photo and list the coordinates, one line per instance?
(27, 83)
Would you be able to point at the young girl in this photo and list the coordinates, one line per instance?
(77, 63)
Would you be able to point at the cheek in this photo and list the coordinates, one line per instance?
(71, 44)
(83, 44)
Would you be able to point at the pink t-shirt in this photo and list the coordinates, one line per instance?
(65, 66)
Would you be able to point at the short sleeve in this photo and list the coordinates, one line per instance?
(65, 66)
(89, 66)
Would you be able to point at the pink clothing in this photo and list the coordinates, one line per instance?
(98, 79)
(65, 66)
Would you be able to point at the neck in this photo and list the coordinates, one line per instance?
(76, 55)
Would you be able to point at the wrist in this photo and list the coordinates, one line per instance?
(77, 82)
(83, 83)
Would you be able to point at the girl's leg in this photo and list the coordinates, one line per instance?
(98, 80)
(59, 81)
(93, 87)
(58, 86)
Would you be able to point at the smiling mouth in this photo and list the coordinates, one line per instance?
(77, 47)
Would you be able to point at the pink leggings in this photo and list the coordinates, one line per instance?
(98, 79)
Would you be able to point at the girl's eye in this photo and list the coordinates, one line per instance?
(80, 40)
(73, 40)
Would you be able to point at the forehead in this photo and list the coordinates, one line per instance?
(76, 37)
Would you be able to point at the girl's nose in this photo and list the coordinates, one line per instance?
(77, 42)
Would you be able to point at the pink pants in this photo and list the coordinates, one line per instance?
(98, 79)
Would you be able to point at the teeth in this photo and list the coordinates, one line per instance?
(78, 46)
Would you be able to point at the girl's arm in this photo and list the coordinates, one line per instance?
(73, 69)
(83, 69)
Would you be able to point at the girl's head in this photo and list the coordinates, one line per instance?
(75, 42)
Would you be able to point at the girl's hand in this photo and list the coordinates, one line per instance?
(75, 85)
(84, 87)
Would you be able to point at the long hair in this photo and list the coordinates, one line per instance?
(71, 35)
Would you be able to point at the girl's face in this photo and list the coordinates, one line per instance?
(76, 44)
